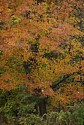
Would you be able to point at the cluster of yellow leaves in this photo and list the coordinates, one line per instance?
(68, 94)
(22, 22)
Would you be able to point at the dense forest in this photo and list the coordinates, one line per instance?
(41, 62)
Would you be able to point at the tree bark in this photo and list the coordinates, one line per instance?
(42, 107)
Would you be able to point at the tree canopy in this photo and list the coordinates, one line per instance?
(41, 46)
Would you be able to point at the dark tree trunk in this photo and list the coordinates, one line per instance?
(42, 107)
(36, 108)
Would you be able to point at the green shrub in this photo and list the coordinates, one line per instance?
(18, 108)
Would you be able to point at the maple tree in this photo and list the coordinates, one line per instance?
(41, 46)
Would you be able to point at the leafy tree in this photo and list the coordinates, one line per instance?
(41, 46)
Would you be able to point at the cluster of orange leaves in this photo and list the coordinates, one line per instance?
(55, 25)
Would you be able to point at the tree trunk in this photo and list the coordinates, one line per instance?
(42, 107)
(36, 108)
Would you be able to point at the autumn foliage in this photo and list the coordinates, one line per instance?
(41, 46)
